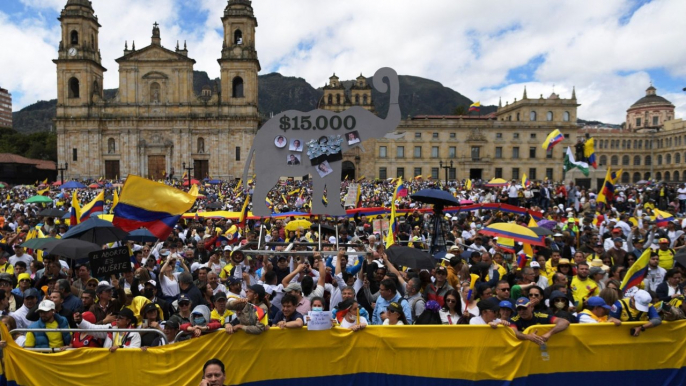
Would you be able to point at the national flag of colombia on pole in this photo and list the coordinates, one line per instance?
(149, 204)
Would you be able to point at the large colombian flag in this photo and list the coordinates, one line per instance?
(97, 205)
(149, 204)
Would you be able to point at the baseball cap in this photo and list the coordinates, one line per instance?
(259, 290)
(45, 305)
(557, 235)
(663, 241)
(563, 261)
(618, 240)
(148, 307)
(597, 301)
(220, 295)
(32, 292)
(616, 230)
(534, 264)
(6, 277)
(506, 304)
(89, 317)
(227, 248)
(152, 282)
(642, 300)
(395, 307)
(332, 240)
(184, 298)
(523, 302)
(442, 270)
(233, 280)
(595, 271)
(293, 287)
(448, 256)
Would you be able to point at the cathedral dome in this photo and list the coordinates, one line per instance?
(651, 99)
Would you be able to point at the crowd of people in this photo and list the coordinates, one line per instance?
(198, 281)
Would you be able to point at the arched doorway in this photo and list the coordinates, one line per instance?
(348, 170)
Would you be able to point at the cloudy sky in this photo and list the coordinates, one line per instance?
(610, 50)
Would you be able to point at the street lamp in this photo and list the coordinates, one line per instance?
(446, 168)
(61, 169)
(189, 169)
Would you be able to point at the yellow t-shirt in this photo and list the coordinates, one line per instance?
(583, 289)
(54, 338)
(666, 258)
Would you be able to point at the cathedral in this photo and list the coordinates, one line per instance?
(155, 126)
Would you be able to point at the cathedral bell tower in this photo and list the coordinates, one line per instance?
(239, 64)
(79, 68)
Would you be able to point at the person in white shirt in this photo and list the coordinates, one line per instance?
(19, 255)
(348, 315)
(30, 300)
(655, 275)
(488, 314)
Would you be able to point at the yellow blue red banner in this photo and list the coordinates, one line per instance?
(402, 355)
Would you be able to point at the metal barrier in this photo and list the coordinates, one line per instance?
(183, 333)
(139, 330)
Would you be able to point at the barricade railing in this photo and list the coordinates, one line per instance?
(139, 330)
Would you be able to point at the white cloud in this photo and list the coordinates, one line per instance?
(469, 46)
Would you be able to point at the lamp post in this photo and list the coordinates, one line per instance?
(61, 169)
(189, 169)
(446, 168)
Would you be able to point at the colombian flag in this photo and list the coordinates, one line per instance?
(476, 106)
(589, 153)
(637, 272)
(607, 192)
(75, 210)
(506, 244)
(149, 204)
(393, 225)
(244, 211)
(553, 139)
(97, 205)
(662, 218)
(525, 181)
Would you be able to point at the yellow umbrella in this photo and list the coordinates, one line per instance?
(513, 231)
(496, 182)
(295, 224)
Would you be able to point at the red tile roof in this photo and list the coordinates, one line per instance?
(7, 158)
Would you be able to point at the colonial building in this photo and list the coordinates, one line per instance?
(505, 144)
(650, 146)
(5, 108)
(155, 124)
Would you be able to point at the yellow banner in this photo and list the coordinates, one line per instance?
(383, 354)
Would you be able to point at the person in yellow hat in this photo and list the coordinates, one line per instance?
(665, 253)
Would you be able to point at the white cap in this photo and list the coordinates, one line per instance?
(332, 240)
(642, 300)
(46, 305)
(448, 256)
(227, 248)
(534, 264)
(153, 282)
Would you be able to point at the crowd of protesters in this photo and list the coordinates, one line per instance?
(198, 281)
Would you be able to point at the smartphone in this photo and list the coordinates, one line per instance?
(145, 323)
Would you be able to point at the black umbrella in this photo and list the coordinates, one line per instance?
(540, 231)
(410, 257)
(141, 235)
(71, 248)
(52, 212)
(96, 231)
(215, 205)
(435, 196)
(680, 258)
(325, 228)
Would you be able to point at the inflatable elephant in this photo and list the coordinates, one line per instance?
(296, 143)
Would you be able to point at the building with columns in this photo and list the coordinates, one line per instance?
(156, 123)
(650, 145)
(505, 144)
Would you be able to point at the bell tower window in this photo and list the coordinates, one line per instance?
(74, 38)
(237, 87)
(74, 88)
(238, 37)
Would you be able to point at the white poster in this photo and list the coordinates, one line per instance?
(319, 320)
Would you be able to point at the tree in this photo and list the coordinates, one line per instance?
(460, 110)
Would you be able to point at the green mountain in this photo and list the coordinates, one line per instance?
(277, 93)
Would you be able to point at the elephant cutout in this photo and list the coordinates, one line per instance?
(270, 161)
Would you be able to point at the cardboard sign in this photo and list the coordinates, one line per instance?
(351, 197)
(319, 320)
(110, 261)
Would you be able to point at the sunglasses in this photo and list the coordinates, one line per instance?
(534, 295)
(451, 301)
(504, 289)
(392, 312)
(560, 300)
(184, 304)
(22, 280)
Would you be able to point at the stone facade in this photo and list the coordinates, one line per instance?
(505, 144)
(651, 145)
(156, 123)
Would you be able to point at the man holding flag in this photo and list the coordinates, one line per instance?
(393, 224)
(607, 191)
